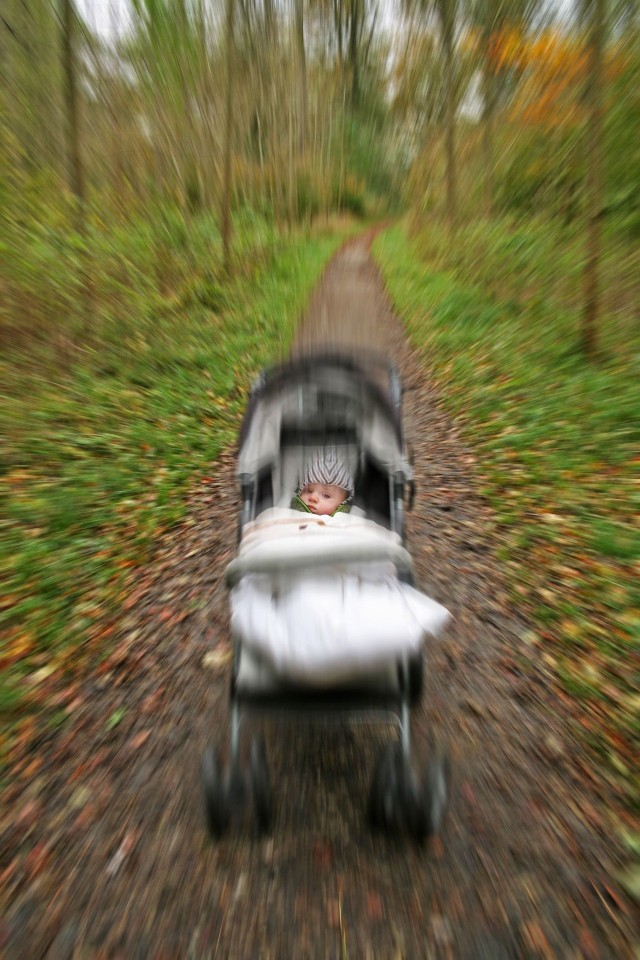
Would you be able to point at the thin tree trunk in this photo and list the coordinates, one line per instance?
(189, 172)
(343, 122)
(115, 109)
(354, 30)
(450, 129)
(269, 21)
(268, 60)
(47, 115)
(226, 187)
(292, 204)
(488, 138)
(209, 154)
(76, 173)
(594, 184)
(338, 7)
(303, 93)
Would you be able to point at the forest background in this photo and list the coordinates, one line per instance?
(174, 176)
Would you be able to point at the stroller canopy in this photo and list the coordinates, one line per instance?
(317, 402)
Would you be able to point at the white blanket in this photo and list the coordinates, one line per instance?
(333, 619)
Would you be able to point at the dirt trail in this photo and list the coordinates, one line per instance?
(106, 852)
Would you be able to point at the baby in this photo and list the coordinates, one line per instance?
(326, 487)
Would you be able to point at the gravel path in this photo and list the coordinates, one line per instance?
(105, 853)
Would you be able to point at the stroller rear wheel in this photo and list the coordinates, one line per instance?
(216, 793)
(431, 806)
(383, 794)
(394, 795)
(260, 785)
(396, 800)
(436, 789)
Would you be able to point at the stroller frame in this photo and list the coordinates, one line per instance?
(397, 799)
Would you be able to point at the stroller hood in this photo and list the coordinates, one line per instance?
(317, 402)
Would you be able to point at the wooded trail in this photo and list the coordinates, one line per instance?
(119, 864)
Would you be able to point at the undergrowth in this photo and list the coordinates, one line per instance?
(107, 416)
(495, 318)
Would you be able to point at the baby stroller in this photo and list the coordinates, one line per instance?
(311, 403)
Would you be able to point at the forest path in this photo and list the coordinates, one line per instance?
(114, 859)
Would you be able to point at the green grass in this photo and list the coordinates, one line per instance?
(558, 440)
(98, 450)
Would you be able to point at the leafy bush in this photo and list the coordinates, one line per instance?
(543, 171)
(350, 197)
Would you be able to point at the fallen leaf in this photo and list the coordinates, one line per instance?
(472, 706)
(588, 946)
(630, 881)
(631, 841)
(115, 718)
(535, 938)
(35, 859)
(151, 703)
(333, 913)
(39, 676)
(441, 930)
(79, 798)
(322, 854)
(375, 910)
(121, 853)
(218, 658)
(139, 739)
(27, 816)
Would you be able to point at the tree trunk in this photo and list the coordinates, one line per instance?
(115, 112)
(269, 22)
(488, 137)
(226, 186)
(338, 7)
(76, 173)
(594, 183)
(189, 173)
(354, 30)
(303, 93)
(450, 121)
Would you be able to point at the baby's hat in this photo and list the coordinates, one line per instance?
(326, 468)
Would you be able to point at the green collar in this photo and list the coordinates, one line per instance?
(298, 504)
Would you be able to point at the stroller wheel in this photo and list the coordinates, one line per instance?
(260, 785)
(216, 795)
(383, 793)
(435, 795)
(393, 795)
(396, 801)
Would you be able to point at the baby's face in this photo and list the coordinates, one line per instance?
(322, 498)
